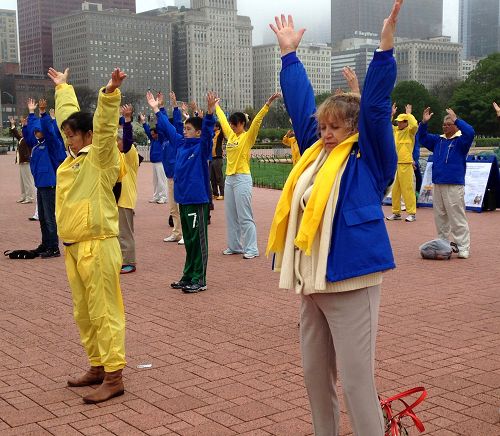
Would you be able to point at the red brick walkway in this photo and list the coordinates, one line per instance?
(227, 361)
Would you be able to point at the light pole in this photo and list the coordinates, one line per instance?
(12, 104)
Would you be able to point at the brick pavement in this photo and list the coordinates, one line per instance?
(227, 361)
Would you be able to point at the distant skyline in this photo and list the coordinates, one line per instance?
(316, 21)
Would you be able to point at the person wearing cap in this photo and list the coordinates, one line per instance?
(404, 137)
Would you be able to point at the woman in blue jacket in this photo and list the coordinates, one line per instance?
(328, 231)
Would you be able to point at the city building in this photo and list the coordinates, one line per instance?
(183, 3)
(212, 50)
(91, 43)
(468, 65)
(35, 37)
(267, 66)
(479, 27)
(8, 36)
(422, 19)
(428, 61)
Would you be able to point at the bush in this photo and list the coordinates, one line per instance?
(272, 134)
(487, 142)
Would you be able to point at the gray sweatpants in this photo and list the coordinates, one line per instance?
(126, 238)
(338, 330)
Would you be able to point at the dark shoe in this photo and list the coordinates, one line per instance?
(180, 284)
(171, 221)
(94, 376)
(51, 252)
(194, 288)
(112, 386)
(39, 250)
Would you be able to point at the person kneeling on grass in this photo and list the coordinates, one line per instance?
(191, 188)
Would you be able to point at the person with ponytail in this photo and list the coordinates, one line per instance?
(240, 225)
(328, 232)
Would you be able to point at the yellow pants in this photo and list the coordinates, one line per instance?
(403, 185)
(93, 269)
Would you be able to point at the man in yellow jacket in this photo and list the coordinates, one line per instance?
(87, 218)
(404, 137)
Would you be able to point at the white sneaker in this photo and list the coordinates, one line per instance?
(393, 217)
(249, 256)
(20, 200)
(162, 201)
(410, 218)
(463, 254)
(180, 241)
(153, 200)
(27, 201)
(171, 238)
(229, 252)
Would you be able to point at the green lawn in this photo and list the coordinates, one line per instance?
(269, 174)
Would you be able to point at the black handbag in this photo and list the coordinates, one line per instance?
(20, 254)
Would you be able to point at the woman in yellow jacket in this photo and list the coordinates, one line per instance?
(87, 218)
(240, 225)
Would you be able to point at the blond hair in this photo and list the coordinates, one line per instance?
(341, 108)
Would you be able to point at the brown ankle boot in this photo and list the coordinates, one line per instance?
(94, 376)
(112, 386)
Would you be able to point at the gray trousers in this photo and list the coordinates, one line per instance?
(126, 238)
(26, 181)
(449, 214)
(338, 331)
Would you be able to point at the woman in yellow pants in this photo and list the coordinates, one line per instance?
(87, 218)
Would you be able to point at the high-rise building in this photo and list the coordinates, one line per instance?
(428, 61)
(267, 66)
(468, 65)
(418, 19)
(8, 36)
(35, 37)
(94, 42)
(212, 50)
(182, 3)
(479, 27)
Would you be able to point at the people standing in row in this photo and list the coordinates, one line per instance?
(128, 195)
(87, 219)
(191, 186)
(23, 156)
(404, 137)
(216, 174)
(328, 232)
(240, 225)
(450, 152)
(155, 157)
(47, 153)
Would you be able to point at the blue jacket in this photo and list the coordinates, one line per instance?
(360, 244)
(191, 178)
(156, 145)
(47, 153)
(450, 155)
(169, 152)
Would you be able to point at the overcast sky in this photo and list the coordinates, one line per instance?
(312, 14)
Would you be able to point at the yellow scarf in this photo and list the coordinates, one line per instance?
(313, 213)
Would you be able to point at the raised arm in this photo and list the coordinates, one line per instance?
(221, 117)
(376, 138)
(13, 129)
(297, 90)
(55, 145)
(426, 139)
(33, 123)
(207, 128)
(253, 131)
(128, 132)
(162, 122)
(176, 114)
(464, 141)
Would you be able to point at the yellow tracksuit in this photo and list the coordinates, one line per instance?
(403, 183)
(294, 146)
(238, 146)
(87, 218)
(128, 197)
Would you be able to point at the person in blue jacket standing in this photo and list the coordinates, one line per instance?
(47, 153)
(450, 152)
(155, 157)
(328, 232)
(192, 189)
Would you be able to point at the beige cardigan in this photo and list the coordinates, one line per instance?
(307, 274)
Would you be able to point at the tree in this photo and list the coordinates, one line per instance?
(473, 98)
(414, 93)
(320, 98)
(444, 90)
(277, 117)
(87, 98)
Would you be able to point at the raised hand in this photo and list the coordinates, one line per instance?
(31, 103)
(352, 79)
(389, 27)
(427, 115)
(173, 100)
(116, 80)
(142, 118)
(273, 97)
(24, 121)
(288, 38)
(394, 109)
(127, 111)
(12, 121)
(212, 101)
(497, 109)
(52, 113)
(408, 109)
(152, 101)
(338, 91)
(184, 110)
(42, 105)
(160, 98)
(451, 113)
(57, 77)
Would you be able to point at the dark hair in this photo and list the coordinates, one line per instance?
(238, 118)
(153, 130)
(196, 122)
(79, 122)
